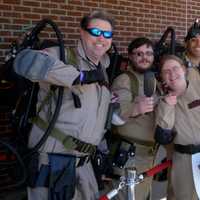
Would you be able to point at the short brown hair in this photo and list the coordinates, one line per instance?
(136, 43)
(98, 14)
(170, 57)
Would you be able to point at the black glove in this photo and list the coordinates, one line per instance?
(164, 136)
(87, 77)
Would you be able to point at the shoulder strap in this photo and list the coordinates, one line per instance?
(69, 142)
(134, 84)
(71, 56)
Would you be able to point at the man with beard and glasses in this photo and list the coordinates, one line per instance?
(63, 169)
(138, 112)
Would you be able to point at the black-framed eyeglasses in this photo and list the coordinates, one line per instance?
(96, 32)
(141, 54)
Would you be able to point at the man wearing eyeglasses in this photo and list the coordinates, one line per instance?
(191, 59)
(64, 171)
(137, 110)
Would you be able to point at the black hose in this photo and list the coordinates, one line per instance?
(114, 66)
(51, 124)
(34, 32)
(20, 161)
(173, 39)
(24, 121)
(28, 42)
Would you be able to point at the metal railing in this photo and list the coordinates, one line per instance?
(131, 179)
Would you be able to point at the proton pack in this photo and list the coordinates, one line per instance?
(24, 105)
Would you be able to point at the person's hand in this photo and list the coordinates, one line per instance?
(170, 99)
(142, 105)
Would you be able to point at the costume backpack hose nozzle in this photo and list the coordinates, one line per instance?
(149, 83)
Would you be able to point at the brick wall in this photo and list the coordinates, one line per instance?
(133, 18)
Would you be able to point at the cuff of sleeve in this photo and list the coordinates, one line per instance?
(33, 64)
(164, 136)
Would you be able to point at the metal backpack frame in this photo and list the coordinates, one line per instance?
(29, 42)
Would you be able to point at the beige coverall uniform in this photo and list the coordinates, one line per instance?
(183, 118)
(86, 123)
(138, 130)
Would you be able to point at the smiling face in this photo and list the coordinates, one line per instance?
(173, 75)
(193, 46)
(96, 46)
(142, 57)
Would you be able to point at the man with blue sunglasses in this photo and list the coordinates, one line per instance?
(82, 127)
(96, 38)
(96, 32)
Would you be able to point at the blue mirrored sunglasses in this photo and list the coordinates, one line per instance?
(96, 32)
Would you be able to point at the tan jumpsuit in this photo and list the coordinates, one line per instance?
(184, 119)
(139, 130)
(86, 123)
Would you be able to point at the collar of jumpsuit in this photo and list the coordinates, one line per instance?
(189, 63)
(105, 61)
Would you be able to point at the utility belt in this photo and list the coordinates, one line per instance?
(69, 142)
(146, 145)
(143, 142)
(187, 149)
(122, 148)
